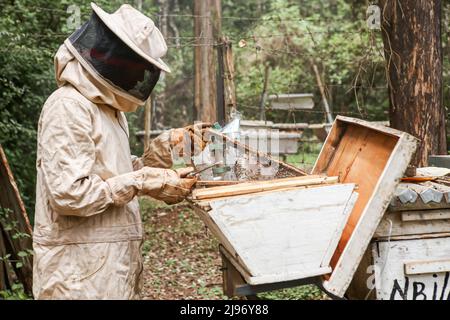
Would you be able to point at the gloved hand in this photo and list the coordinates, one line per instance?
(159, 153)
(193, 135)
(175, 188)
(162, 184)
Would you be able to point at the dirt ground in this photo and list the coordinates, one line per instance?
(181, 258)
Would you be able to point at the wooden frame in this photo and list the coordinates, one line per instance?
(294, 171)
(10, 199)
(228, 215)
(235, 285)
(346, 150)
(373, 157)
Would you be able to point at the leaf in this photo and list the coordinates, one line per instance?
(22, 254)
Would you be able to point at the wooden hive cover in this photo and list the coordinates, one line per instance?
(375, 158)
(370, 156)
(284, 235)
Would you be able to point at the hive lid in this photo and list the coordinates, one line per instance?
(375, 158)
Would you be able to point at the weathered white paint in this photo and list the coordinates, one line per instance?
(349, 260)
(425, 215)
(406, 223)
(273, 278)
(427, 266)
(391, 258)
(335, 239)
(286, 235)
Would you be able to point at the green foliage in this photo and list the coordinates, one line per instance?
(308, 292)
(11, 226)
(30, 33)
(16, 293)
(284, 34)
(290, 37)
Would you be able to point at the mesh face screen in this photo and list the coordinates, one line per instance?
(114, 60)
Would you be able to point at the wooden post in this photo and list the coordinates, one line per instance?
(11, 201)
(262, 103)
(207, 25)
(221, 108)
(228, 77)
(147, 121)
(226, 91)
(411, 31)
(326, 106)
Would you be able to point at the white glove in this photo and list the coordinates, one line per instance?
(162, 184)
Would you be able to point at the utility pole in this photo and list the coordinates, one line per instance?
(207, 29)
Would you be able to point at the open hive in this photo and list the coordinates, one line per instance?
(239, 163)
(276, 229)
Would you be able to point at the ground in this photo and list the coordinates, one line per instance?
(181, 257)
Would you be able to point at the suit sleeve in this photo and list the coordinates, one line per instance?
(67, 160)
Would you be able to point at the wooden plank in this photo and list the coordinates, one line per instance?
(284, 232)
(243, 271)
(427, 266)
(414, 237)
(260, 186)
(209, 184)
(360, 158)
(417, 179)
(394, 284)
(425, 215)
(5, 282)
(362, 285)
(206, 218)
(234, 283)
(376, 166)
(329, 147)
(335, 239)
(11, 201)
(275, 278)
(226, 191)
(232, 279)
(205, 204)
(392, 225)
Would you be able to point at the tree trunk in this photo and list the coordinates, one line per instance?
(206, 29)
(411, 32)
(160, 98)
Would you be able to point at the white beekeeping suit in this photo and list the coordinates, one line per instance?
(88, 230)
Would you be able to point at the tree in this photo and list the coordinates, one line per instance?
(207, 27)
(411, 32)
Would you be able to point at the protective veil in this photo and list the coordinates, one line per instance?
(88, 230)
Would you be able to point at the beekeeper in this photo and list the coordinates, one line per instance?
(88, 230)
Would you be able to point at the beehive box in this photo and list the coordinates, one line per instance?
(321, 230)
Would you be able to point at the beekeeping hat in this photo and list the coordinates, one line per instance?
(123, 48)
